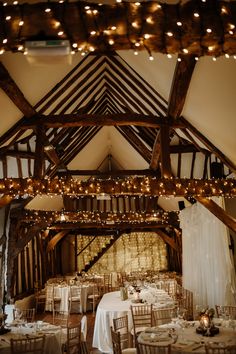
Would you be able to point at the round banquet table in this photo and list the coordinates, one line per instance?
(111, 306)
(188, 340)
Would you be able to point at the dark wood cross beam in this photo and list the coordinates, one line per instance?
(180, 84)
(114, 119)
(14, 93)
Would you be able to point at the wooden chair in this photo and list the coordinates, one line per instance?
(162, 315)
(60, 318)
(107, 283)
(142, 318)
(154, 349)
(40, 299)
(186, 301)
(27, 315)
(226, 310)
(51, 299)
(28, 345)
(116, 344)
(74, 298)
(217, 348)
(120, 325)
(73, 339)
(95, 297)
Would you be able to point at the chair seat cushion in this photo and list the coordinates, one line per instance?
(129, 351)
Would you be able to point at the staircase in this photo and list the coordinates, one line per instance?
(100, 253)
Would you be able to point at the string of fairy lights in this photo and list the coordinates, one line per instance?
(139, 27)
(147, 186)
(163, 218)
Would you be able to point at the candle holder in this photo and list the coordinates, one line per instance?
(207, 327)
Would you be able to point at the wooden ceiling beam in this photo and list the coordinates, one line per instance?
(86, 120)
(54, 241)
(167, 239)
(209, 145)
(78, 25)
(219, 212)
(9, 86)
(180, 84)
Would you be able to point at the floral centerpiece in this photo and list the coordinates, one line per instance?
(207, 327)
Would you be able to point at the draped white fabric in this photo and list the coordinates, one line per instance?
(208, 268)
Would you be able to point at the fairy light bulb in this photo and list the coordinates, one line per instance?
(179, 59)
(196, 14)
(15, 2)
(149, 20)
(146, 36)
(135, 52)
(93, 33)
(2, 51)
(111, 41)
(169, 34)
(179, 23)
(20, 47)
(151, 58)
(227, 55)
(7, 18)
(185, 50)
(214, 58)
(196, 58)
(21, 23)
(48, 9)
(4, 41)
(208, 30)
(135, 24)
(60, 33)
(169, 56)
(74, 45)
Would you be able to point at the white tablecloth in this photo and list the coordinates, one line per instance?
(53, 343)
(111, 306)
(64, 291)
(188, 341)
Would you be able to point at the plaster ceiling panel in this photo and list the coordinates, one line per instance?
(45, 202)
(211, 105)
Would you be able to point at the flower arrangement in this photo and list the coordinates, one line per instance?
(207, 327)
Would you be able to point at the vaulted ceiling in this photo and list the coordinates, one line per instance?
(115, 115)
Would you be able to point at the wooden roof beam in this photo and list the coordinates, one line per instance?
(14, 93)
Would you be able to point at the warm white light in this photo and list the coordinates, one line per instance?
(72, 52)
(149, 20)
(185, 50)
(74, 45)
(196, 58)
(196, 14)
(91, 49)
(4, 41)
(227, 55)
(179, 59)
(224, 10)
(8, 18)
(214, 58)
(5, 4)
(179, 23)
(231, 32)
(210, 48)
(169, 56)
(137, 3)
(231, 26)
(2, 51)
(209, 30)
(21, 23)
(20, 47)
(93, 33)
(147, 36)
(87, 7)
(151, 57)
(113, 28)
(135, 24)
(135, 52)
(111, 41)
(95, 12)
(48, 9)
(137, 44)
(169, 34)
(60, 33)
(15, 2)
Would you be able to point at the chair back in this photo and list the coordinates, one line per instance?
(162, 315)
(27, 315)
(226, 311)
(154, 349)
(107, 283)
(120, 325)
(60, 318)
(215, 348)
(73, 344)
(28, 345)
(84, 328)
(116, 343)
(141, 316)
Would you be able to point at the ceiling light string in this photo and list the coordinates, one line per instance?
(179, 31)
(81, 10)
(165, 32)
(201, 31)
(218, 10)
(61, 23)
(3, 34)
(127, 16)
(20, 46)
